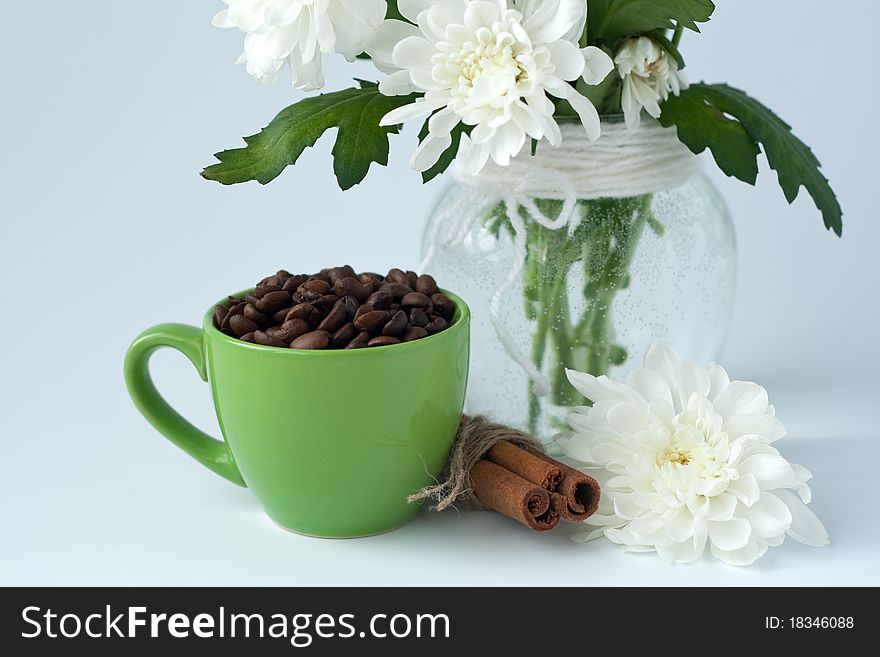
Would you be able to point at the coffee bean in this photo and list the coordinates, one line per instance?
(251, 298)
(300, 311)
(417, 317)
(317, 285)
(372, 280)
(396, 325)
(262, 290)
(238, 308)
(351, 286)
(220, 313)
(267, 340)
(380, 300)
(283, 274)
(363, 310)
(415, 300)
(274, 280)
(292, 283)
(351, 306)
(373, 321)
(438, 324)
(396, 290)
(313, 340)
(291, 330)
(272, 330)
(414, 333)
(383, 341)
(393, 308)
(359, 342)
(305, 296)
(241, 325)
(335, 319)
(344, 335)
(397, 276)
(280, 317)
(443, 305)
(411, 278)
(255, 315)
(426, 285)
(247, 337)
(336, 274)
(273, 302)
(326, 302)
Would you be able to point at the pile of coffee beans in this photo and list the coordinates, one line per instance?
(337, 309)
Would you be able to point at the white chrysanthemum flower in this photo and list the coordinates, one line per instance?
(489, 64)
(298, 33)
(649, 75)
(685, 459)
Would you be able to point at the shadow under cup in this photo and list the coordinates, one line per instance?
(331, 442)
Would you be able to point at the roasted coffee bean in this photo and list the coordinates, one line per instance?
(321, 275)
(437, 324)
(415, 300)
(397, 276)
(260, 337)
(379, 300)
(336, 274)
(220, 313)
(351, 306)
(238, 308)
(291, 330)
(262, 290)
(350, 286)
(251, 298)
(396, 325)
(414, 333)
(373, 321)
(417, 317)
(411, 278)
(326, 302)
(247, 337)
(426, 285)
(241, 325)
(363, 310)
(313, 340)
(360, 341)
(273, 302)
(255, 315)
(396, 290)
(443, 305)
(283, 274)
(272, 330)
(344, 335)
(383, 341)
(335, 319)
(317, 285)
(393, 308)
(292, 283)
(280, 317)
(300, 311)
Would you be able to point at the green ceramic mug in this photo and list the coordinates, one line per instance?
(330, 442)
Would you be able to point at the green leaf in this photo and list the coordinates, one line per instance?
(795, 164)
(360, 140)
(448, 155)
(702, 125)
(609, 20)
(394, 12)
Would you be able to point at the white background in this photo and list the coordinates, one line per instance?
(108, 112)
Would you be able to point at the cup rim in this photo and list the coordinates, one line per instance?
(460, 322)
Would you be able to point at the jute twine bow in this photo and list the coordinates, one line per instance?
(476, 436)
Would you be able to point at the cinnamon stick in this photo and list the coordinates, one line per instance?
(505, 492)
(544, 473)
(581, 491)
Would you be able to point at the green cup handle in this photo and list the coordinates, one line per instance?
(213, 454)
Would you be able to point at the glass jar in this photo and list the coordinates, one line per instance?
(589, 291)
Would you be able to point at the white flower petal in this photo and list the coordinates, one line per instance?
(730, 535)
(769, 516)
(805, 525)
(568, 63)
(745, 556)
(597, 65)
(380, 45)
(742, 397)
(770, 470)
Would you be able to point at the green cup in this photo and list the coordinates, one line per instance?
(330, 442)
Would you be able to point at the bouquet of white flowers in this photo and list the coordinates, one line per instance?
(495, 80)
